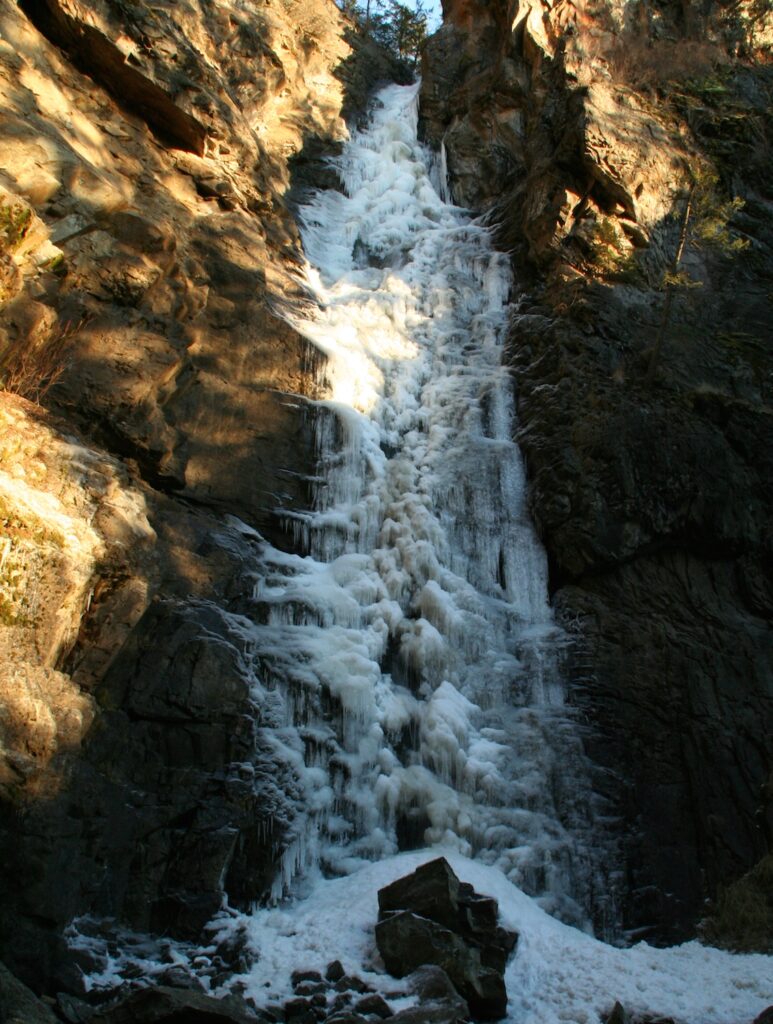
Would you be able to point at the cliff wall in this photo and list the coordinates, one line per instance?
(151, 156)
(146, 240)
(584, 131)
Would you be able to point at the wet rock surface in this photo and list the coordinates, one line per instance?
(650, 487)
(430, 917)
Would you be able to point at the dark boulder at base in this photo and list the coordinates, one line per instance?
(430, 917)
(373, 1005)
(433, 891)
(619, 1015)
(162, 1005)
(439, 1002)
(18, 1005)
(335, 971)
(407, 941)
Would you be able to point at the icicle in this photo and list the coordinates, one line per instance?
(413, 648)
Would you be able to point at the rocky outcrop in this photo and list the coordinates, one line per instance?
(172, 261)
(75, 533)
(430, 917)
(147, 247)
(579, 133)
(93, 53)
(18, 1005)
(160, 1004)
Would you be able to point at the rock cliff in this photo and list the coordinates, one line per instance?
(146, 239)
(151, 157)
(591, 134)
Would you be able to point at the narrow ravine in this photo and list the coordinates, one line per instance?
(412, 649)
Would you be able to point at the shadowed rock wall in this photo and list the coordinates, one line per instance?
(579, 132)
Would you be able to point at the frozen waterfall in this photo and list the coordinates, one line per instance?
(411, 652)
(406, 670)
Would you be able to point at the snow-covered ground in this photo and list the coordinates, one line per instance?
(558, 975)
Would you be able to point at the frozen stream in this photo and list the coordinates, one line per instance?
(412, 650)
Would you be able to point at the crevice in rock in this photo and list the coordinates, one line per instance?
(94, 55)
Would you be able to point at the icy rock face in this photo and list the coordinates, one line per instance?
(652, 502)
(412, 647)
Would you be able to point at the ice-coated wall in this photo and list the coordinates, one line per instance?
(412, 651)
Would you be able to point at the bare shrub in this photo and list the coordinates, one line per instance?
(742, 919)
(32, 369)
(15, 220)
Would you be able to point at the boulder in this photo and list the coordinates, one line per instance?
(350, 983)
(617, 1015)
(335, 971)
(433, 891)
(430, 917)
(162, 1004)
(440, 1003)
(299, 977)
(18, 1005)
(407, 941)
(374, 1005)
(299, 1011)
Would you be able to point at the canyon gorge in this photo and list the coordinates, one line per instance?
(385, 473)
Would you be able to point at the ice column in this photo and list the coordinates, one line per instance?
(412, 648)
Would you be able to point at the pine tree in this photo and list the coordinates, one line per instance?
(392, 24)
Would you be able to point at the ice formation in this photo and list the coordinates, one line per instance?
(407, 669)
(412, 647)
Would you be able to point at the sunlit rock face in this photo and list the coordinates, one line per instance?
(72, 522)
(146, 163)
(652, 496)
(155, 147)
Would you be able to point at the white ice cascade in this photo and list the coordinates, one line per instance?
(412, 654)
